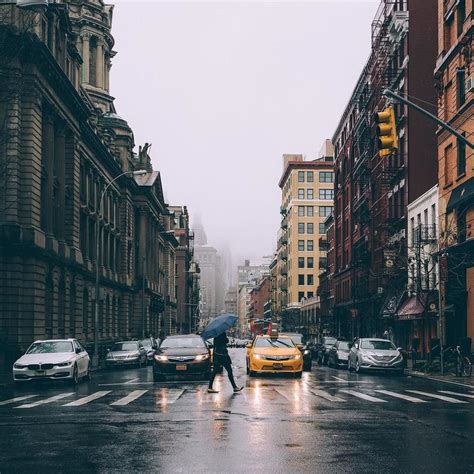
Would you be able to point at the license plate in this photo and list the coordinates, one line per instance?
(278, 366)
(39, 373)
(181, 367)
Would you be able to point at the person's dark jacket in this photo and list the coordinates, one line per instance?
(220, 345)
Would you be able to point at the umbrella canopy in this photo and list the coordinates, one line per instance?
(219, 325)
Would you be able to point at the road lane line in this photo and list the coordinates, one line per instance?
(46, 400)
(132, 396)
(123, 383)
(171, 396)
(363, 396)
(339, 378)
(327, 396)
(86, 400)
(16, 399)
(132, 380)
(456, 393)
(439, 397)
(400, 395)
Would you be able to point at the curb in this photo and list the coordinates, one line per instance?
(429, 377)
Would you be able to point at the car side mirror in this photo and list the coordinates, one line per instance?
(300, 346)
(400, 349)
(78, 350)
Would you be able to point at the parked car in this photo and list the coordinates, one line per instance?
(375, 354)
(53, 359)
(185, 355)
(300, 343)
(126, 353)
(322, 349)
(338, 355)
(150, 344)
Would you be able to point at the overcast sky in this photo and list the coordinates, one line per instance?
(223, 89)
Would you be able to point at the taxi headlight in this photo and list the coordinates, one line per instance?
(297, 356)
(201, 357)
(306, 351)
(161, 358)
(259, 356)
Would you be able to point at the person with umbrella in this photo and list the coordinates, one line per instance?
(217, 330)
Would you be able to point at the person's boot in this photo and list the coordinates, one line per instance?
(211, 390)
(238, 389)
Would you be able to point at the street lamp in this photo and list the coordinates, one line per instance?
(95, 357)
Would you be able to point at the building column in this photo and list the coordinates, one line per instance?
(48, 137)
(85, 56)
(100, 65)
(60, 171)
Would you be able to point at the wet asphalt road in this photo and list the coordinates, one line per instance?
(329, 421)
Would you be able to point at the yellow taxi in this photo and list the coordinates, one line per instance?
(273, 354)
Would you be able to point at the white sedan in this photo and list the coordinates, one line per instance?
(53, 359)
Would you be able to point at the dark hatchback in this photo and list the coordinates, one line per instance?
(184, 356)
(299, 342)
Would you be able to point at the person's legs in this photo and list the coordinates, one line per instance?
(215, 369)
(228, 366)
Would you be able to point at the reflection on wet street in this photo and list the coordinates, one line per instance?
(327, 421)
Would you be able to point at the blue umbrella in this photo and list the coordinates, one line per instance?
(219, 325)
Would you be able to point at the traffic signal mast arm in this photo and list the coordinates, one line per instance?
(391, 94)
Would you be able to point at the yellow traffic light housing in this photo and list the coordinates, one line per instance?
(386, 131)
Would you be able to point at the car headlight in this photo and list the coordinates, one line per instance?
(259, 356)
(201, 357)
(399, 358)
(19, 366)
(306, 352)
(64, 364)
(109, 356)
(161, 358)
(296, 356)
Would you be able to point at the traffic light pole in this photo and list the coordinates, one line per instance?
(392, 95)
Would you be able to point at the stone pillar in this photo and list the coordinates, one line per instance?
(60, 171)
(48, 166)
(85, 56)
(100, 65)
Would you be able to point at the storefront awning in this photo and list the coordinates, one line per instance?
(462, 194)
(416, 307)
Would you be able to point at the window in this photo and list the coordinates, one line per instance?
(310, 245)
(326, 194)
(309, 194)
(300, 193)
(448, 166)
(310, 262)
(460, 87)
(301, 245)
(310, 177)
(461, 146)
(461, 13)
(300, 295)
(300, 176)
(326, 177)
(322, 228)
(448, 26)
(310, 211)
(310, 279)
(300, 228)
(300, 279)
(301, 211)
(310, 228)
(325, 211)
(300, 262)
(310, 294)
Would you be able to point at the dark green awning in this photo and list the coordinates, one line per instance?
(461, 195)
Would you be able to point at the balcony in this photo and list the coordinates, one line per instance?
(283, 211)
(424, 234)
(284, 270)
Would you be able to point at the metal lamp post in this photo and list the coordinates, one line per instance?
(95, 357)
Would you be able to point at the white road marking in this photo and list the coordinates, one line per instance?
(123, 383)
(456, 393)
(344, 381)
(400, 395)
(132, 380)
(170, 396)
(46, 400)
(327, 396)
(16, 399)
(132, 396)
(339, 378)
(86, 400)
(440, 397)
(363, 396)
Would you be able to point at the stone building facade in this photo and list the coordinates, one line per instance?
(61, 145)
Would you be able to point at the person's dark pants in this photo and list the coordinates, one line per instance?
(222, 361)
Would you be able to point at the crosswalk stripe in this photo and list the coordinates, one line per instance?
(440, 397)
(86, 400)
(170, 396)
(46, 400)
(327, 396)
(363, 396)
(456, 393)
(16, 399)
(400, 395)
(132, 396)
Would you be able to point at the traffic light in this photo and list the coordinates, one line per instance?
(386, 131)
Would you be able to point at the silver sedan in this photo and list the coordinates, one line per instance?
(375, 354)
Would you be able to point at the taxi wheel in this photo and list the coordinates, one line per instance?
(75, 376)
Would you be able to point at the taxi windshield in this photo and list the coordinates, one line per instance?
(274, 342)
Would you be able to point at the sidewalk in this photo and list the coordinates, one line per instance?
(446, 378)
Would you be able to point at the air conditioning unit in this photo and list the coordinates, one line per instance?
(470, 83)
